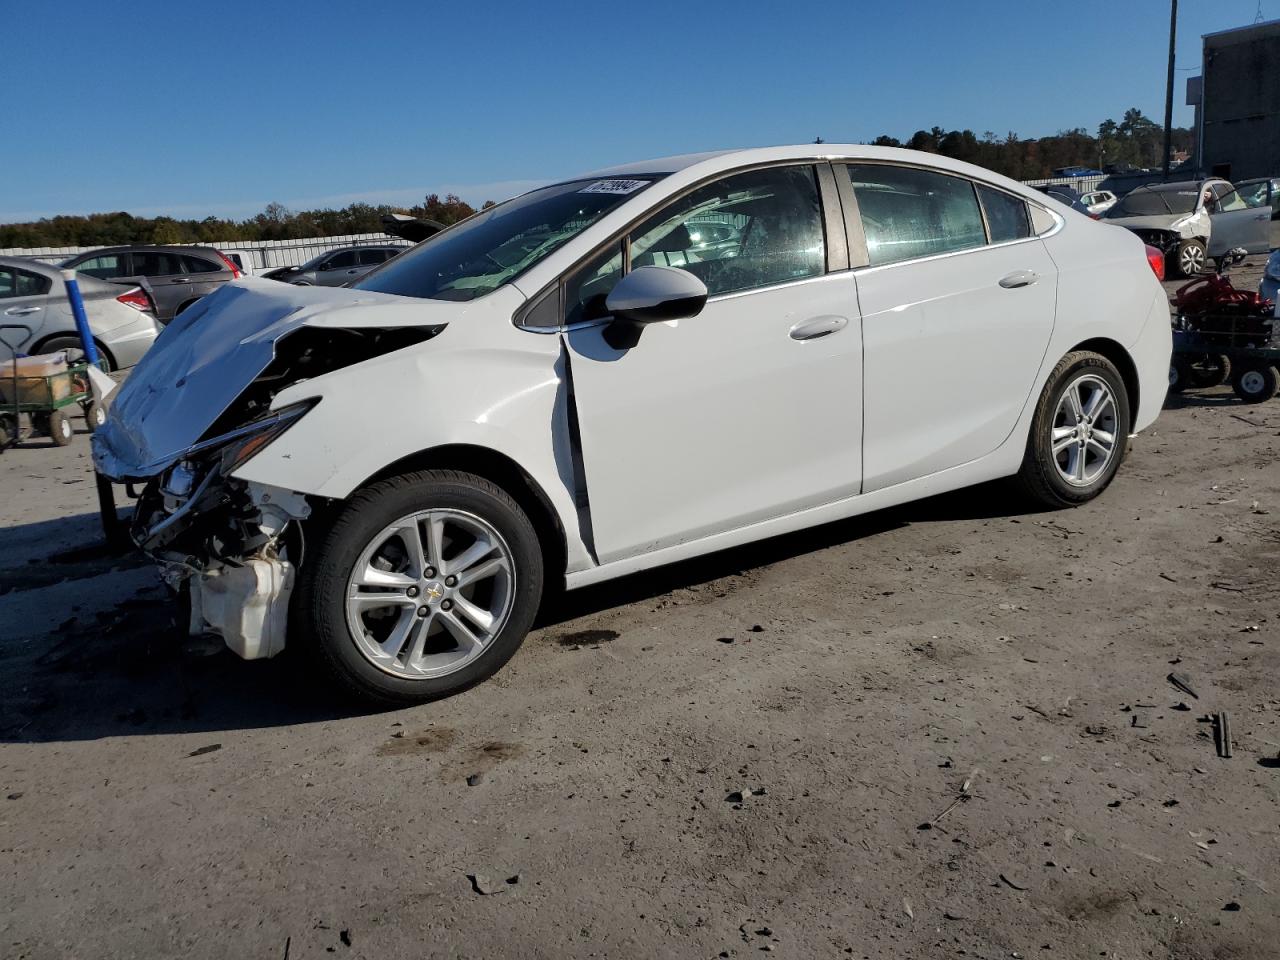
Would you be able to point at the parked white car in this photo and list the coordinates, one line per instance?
(1098, 202)
(618, 371)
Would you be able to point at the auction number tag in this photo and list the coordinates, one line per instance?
(615, 186)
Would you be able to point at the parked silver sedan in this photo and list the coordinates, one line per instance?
(32, 295)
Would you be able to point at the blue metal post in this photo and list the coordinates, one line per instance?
(82, 320)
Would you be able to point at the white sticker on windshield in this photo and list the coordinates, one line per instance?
(615, 186)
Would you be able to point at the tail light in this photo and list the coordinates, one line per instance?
(1155, 258)
(138, 299)
(231, 265)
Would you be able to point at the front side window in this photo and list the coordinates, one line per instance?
(374, 257)
(8, 283)
(1006, 215)
(108, 266)
(341, 261)
(909, 213)
(748, 230)
(494, 246)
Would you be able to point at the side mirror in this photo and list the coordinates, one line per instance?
(654, 294)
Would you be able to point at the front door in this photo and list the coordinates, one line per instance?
(958, 305)
(750, 410)
(1242, 220)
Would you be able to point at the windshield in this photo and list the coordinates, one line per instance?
(497, 245)
(1155, 203)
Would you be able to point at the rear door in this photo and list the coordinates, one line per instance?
(206, 274)
(1242, 220)
(171, 287)
(958, 302)
(23, 303)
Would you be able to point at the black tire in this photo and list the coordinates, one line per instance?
(75, 351)
(1256, 383)
(318, 620)
(1198, 372)
(1039, 477)
(1189, 259)
(8, 431)
(59, 428)
(94, 416)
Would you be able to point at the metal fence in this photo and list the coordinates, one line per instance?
(256, 254)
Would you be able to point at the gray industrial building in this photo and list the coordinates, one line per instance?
(1237, 100)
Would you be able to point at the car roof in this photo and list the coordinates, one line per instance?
(34, 266)
(716, 161)
(144, 248)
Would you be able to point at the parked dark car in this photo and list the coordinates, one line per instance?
(333, 268)
(1066, 195)
(176, 276)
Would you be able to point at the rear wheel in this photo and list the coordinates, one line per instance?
(74, 349)
(58, 426)
(422, 586)
(1190, 258)
(1255, 384)
(1079, 432)
(94, 416)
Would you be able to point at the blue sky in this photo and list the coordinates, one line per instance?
(148, 108)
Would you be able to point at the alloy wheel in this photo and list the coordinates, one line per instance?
(1191, 260)
(429, 593)
(1083, 435)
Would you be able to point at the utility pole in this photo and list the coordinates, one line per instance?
(1168, 93)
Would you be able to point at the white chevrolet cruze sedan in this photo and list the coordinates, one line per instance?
(619, 371)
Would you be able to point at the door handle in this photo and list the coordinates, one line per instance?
(1019, 278)
(21, 311)
(818, 327)
(179, 280)
(351, 272)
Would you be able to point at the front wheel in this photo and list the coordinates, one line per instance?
(1190, 258)
(423, 585)
(1079, 432)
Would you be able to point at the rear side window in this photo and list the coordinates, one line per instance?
(909, 213)
(151, 263)
(31, 284)
(368, 257)
(1006, 215)
(201, 265)
(8, 284)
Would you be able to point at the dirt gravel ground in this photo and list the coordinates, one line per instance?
(762, 751)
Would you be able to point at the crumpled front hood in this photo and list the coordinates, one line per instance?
(202, 361)
(1163, 221)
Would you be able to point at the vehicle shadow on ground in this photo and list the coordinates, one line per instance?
(1223, 397)
(131, 671)
(984, 502)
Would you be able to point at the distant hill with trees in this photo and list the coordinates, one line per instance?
(274, 223)
(1134, 141)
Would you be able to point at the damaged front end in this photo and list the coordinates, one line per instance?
(197, 409)
(234, 545)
